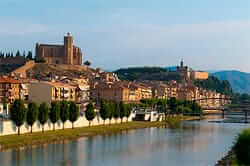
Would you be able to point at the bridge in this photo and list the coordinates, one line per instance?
(220, 106)
(240, 112)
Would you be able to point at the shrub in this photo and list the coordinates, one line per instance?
(174, 121)
(242, 147)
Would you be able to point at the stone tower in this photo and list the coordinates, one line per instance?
(68, 49)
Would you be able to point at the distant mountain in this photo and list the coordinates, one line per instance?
(239, 81)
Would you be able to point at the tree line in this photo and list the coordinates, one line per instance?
(64, 111)
(18, 54)
(213, 83)
(109, 110)
(173, 106)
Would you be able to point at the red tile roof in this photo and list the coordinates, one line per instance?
(10, 80)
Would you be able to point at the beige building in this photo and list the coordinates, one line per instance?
(51, 91)
(127, 92)
(60, 54)
(199, 75)
(9, 89)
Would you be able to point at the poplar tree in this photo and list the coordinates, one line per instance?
(90, 112)
(104, 110)
(54, 114)
(116, 111)
(73, 113)
(43, 114)
(18, 113)
(64, 112)
(122, 110)
(32, 114)
(128, 111)
(111, 111)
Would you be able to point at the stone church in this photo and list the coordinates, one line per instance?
(60, 54)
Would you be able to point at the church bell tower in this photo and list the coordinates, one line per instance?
(68, 49)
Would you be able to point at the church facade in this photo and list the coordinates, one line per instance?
(60, 54)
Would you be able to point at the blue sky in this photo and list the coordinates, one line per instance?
(207, 34)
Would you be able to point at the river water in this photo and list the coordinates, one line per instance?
(198, 143)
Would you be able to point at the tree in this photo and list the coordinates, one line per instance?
(116, 111)
(196, 108)
(5, 104)
(90, 112)
(54, 114)
(18, 53)
(180, 109)
(32, 114)
(29, 56)
(18, 113)
(24, 54)
(162, 104)
(172, 103)
(64, 112)
(187, 110)
(104, 110)
(128, 111)
(73, 113)
(87, 63)
(43, 114)
(122, 110)
(111, 108)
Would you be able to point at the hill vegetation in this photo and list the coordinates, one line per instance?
(213, 83)
(147, 73)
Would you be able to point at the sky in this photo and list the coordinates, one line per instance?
(207, 34)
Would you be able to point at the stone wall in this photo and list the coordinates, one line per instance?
(9, 128)
(21, 71)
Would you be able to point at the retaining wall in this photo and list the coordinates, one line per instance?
(8, 127)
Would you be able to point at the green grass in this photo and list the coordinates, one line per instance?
(37, 138)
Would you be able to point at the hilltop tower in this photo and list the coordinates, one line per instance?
(68, 49)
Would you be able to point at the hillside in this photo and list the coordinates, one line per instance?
(40, 71)
(146, 73)
(240, 81)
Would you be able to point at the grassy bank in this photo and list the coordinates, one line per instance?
(26, 140)
(37, 138)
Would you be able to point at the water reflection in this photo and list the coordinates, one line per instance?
(197, 143)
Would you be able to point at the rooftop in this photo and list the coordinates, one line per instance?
(6, 79)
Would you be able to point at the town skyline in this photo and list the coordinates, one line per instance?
(207, 35)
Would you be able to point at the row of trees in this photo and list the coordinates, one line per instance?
(109, 110)
(18, 54)
(173, 106)
(64, 111)
(57, 111)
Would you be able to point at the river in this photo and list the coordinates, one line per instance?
(198, 143)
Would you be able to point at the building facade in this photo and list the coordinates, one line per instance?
(9, 89)
(60, 54)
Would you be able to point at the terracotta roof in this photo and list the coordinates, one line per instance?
(9, 80)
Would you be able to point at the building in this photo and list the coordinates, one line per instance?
(60, 54)
(127, 92)
(9, 89)
(51, 91)
(199, 75)
(186, 73)
(183, 71)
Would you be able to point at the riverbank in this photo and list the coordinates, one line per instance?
(39, 138)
